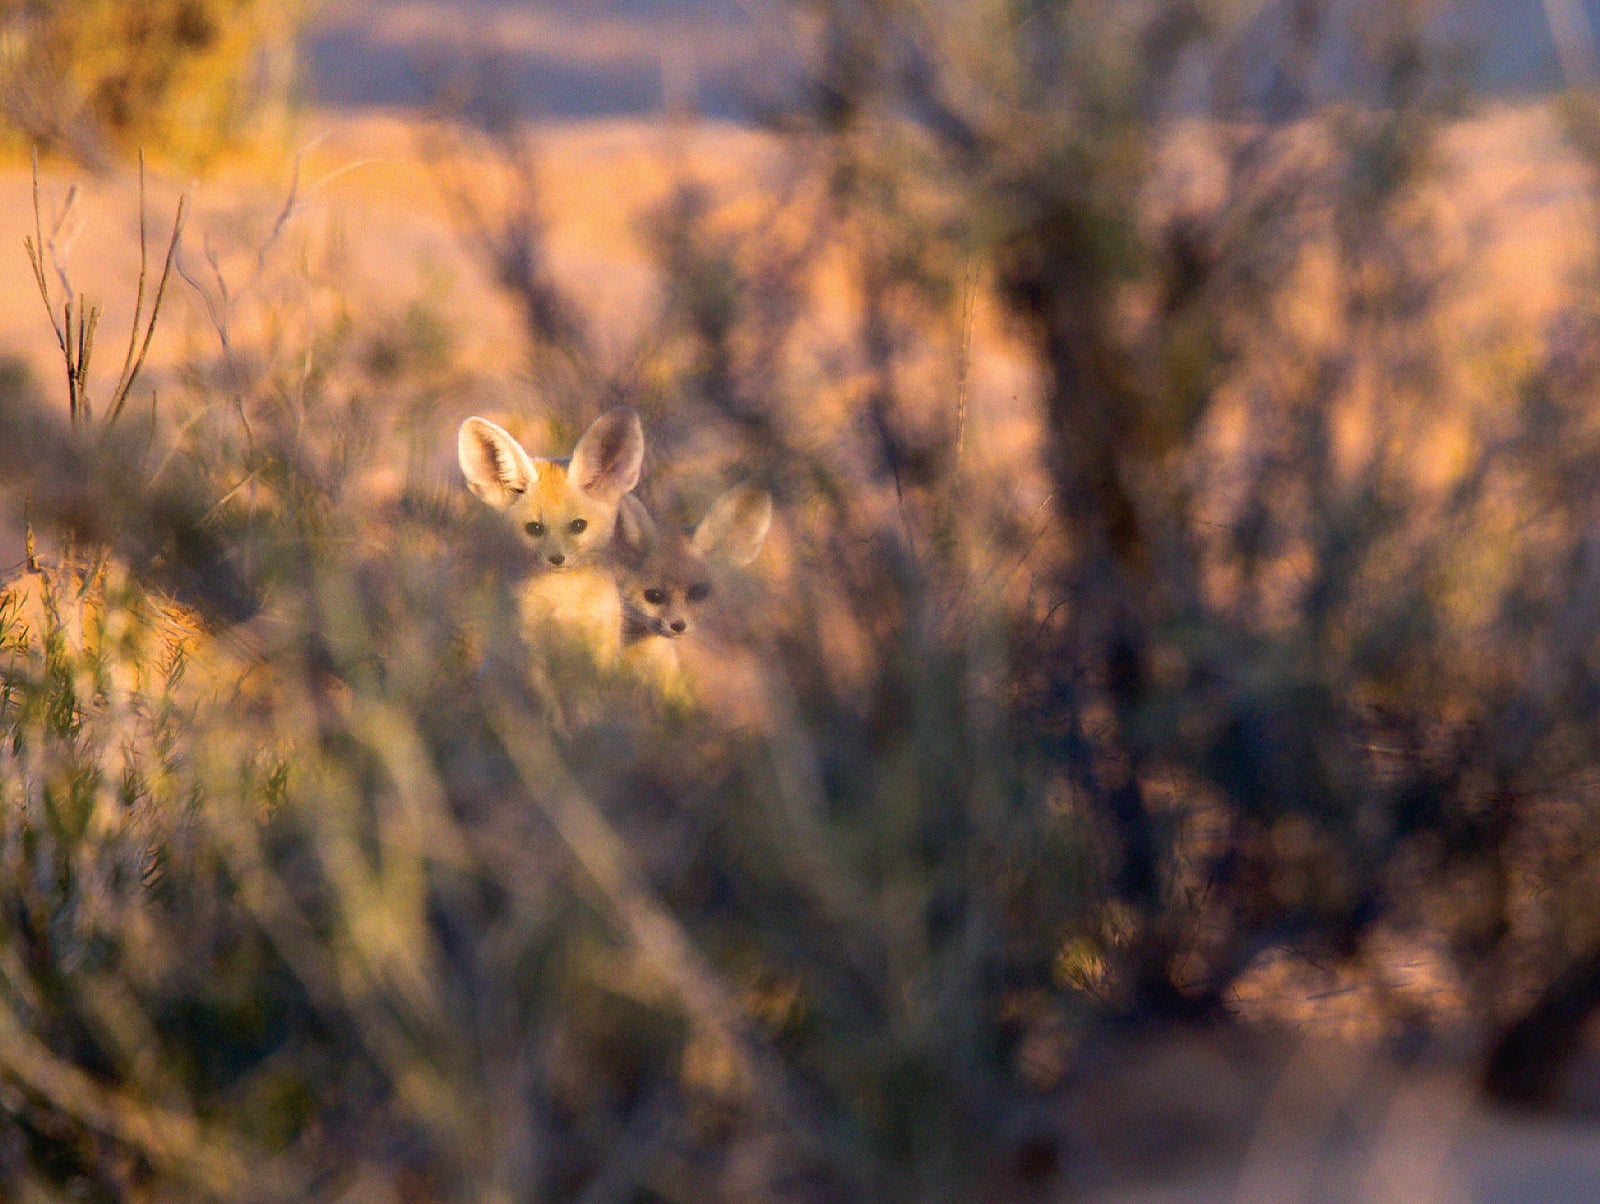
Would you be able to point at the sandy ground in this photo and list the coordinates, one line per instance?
(366, 207)
(1415, 1157)
(358, 215)
(369, 212)
(1311, 1120)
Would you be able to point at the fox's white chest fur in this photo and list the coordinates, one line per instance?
(564, 511)
(576, 607)
(654, 661)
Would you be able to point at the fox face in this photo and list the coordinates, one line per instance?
(665, 576)
(565, 509)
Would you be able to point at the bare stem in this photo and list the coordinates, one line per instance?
(133, 362)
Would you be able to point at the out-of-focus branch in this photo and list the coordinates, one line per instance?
(92, 485)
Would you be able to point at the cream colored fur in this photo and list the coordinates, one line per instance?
(565, 511)
(667, 578)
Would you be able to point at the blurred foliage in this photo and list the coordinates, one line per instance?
(1276, 635)
(404, 918)
(1297, 668)
(330, 904)
(180, 79)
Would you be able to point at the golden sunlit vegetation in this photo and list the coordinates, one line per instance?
(180, 79)
(1180, 617)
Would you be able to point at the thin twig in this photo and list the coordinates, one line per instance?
(75, 330)
(133, 363)
(144, 269)
(36, 250)
(964, 360)
(58, 257)
(228, 496)
(88, 320)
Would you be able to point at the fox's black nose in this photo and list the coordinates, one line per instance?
(557, 559)
(679, 626)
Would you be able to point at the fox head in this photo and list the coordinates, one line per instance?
(665, 576)
(565, 509)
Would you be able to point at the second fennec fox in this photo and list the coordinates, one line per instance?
(666, 576)
(565, 510)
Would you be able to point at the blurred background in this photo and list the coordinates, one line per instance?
(592, 58)
(1153, 757)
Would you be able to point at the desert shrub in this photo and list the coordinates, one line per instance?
(408, 918)
(1298, 670)
(179, 78)
(385, 921)
(345, 889)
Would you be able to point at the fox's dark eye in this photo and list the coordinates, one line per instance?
(535, 528)
(577, 525)
(698, 592)
(655, 596)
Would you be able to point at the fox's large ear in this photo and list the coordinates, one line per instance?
(607, 460)
(735, 527)
(496, 467)
(635, 537)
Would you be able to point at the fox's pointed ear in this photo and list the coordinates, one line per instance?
(635, 537)
(496, 467)
(735, 527)
(607, 460)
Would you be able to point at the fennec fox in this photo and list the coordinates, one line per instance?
(665, 576)
(566, 511)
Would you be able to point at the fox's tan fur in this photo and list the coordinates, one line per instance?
(565, 510)
(667, 577)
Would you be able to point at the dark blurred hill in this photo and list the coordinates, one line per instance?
(593, 58)
(552, 58)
